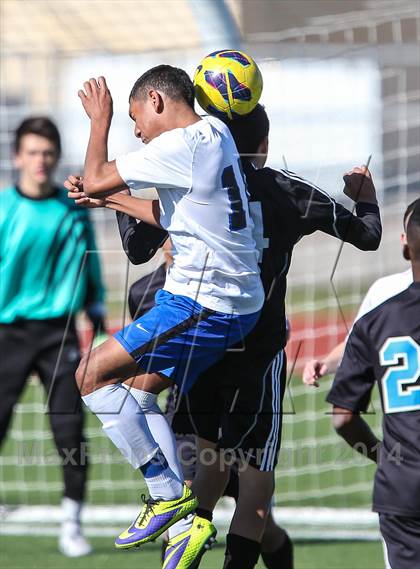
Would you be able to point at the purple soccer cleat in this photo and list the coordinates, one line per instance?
(156, 517)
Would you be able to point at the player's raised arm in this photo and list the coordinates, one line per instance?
(319, 211)
(140, 239)
(100, 176)
(141, 209)
(363, 230)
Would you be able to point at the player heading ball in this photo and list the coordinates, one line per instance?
(212, 294)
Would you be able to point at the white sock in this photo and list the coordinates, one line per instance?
(123, 422)
(181, 526)
(165, 483)
(159, 427)
(162, 482)
(71, 510)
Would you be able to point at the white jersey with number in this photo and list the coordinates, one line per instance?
(383, 289)
(204, 207)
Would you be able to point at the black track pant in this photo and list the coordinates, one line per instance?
(37, 345)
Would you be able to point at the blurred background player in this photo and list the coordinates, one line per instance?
(381, 290)
(235, 395)
(384, 348)
(46, 278)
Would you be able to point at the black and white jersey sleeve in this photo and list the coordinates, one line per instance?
(140, 240)
(290, 208)
(318, 211)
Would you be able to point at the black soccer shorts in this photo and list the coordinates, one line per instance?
(237, 404)
(402, 541)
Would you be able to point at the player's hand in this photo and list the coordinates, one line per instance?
(359, 185)
(85, 201)
(97, 101)
(314, 370)
(74, 185)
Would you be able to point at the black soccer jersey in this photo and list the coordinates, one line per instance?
(384, 348)
(140, 240)
(289, 208)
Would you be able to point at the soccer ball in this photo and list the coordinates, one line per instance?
(228, 84)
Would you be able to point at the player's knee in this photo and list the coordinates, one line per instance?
(259, 485)
(85, 377)
(80, 373)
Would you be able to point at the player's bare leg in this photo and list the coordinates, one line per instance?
(243, 542)
(248, 525)
(123, 411)
(272, 534)
(255, 493)
(276, 546)
(107, 364)
(211, 476)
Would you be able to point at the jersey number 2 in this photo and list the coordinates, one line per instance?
(400, 384)
(237, 218)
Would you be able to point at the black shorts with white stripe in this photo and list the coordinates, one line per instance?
(237, 404)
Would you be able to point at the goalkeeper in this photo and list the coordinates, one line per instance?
(46, 277)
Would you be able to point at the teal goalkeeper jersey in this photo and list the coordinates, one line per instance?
(49, 266)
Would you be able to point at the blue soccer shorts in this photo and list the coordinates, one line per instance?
(180, 339)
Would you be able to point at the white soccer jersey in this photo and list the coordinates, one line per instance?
(204, 207)
(383, 289)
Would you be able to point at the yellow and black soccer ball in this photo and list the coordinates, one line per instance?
(228, 84)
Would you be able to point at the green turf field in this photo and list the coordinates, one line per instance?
(40, 553)
(315, 468)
